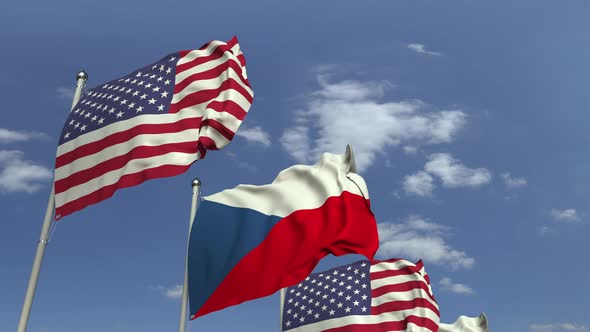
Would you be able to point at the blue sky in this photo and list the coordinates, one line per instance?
(468, 119)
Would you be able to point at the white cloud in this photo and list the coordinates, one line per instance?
(513, 183)
(65, 93)
(565, 215)
(349, 112)
(172, 293)
(420, 48)
(558, 327)
(417, 238)
(410, 149)
(20, 175)
(419, 184)
(11, 136)
(255, 134)
(454, 174)
(449, 285)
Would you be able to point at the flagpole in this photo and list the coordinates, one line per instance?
(183, 308)
(282, 303)
(81, 78)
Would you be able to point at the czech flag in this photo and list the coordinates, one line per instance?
(250, 241)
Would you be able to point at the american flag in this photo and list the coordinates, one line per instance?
(367, 296)
(153, 123)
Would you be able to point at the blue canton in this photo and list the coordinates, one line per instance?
(339, 292)
(148, 90)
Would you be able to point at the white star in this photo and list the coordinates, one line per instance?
(149, 85)
(288, 323)
(309, 312)
(364, 286)
(134, 81)
(135, 93)
(348, 298)
(139, 108)
(356, 271)
(339, 305)
(143, 96)
(129, 90)
(302, 319)
(127, 80)
(364, 309)
(120, 114)
(356, 291)
(140, 83)
(347, 309)
(152, 76)
(131, 105)
(156, 89)
(159, 78)
(172, 58)
(112, 110)
(77, 125)
(290, 301)
(364, 297)
(72, 122)
(169, 70)
(100, 121)
(138, 74)
(356, 303)
(316, 316)
(324, 307)
(348, 268)
(164, 94)
(364, 264)
(83, 128)
(167, 82)
(66, 135)
(349, 287)
(363, 275)
(340, 293)
(161, 67)
(116, 98)
(94, 118)
(124, 101)
(331, 312)
(152, 101)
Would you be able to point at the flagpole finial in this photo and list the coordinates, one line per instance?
(82, 75)
(196, 183)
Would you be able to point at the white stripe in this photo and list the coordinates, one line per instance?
(124, 125)
(369, 319)
(123, 148)
(388, 266)
(192, 55)
(295, 188)
(133, 166)
(225, 95)
(210, 84)
(212, 133)
(417, 293)
(397, 280)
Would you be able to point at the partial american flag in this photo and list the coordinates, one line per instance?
(152, 123)
(367, 296)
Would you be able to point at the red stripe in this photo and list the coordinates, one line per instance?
(294, 246)
(228, 106)
(217, 72)
(119, 162)
(202, 96)
(128, 180)
(216, 54)
(404, 305)
(392, 273)
(124, 136)
(401, 287)
(388, 326)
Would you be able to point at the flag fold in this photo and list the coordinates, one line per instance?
(250, 241)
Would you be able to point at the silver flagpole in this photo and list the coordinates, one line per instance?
(282, 303)
(196, 188)
(24, 316)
